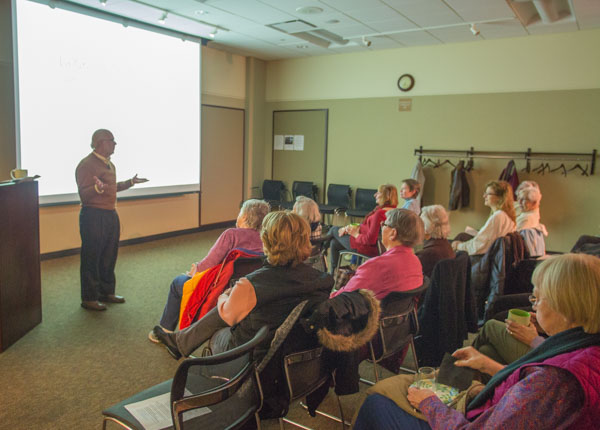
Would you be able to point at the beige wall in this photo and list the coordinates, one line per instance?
(504, 95)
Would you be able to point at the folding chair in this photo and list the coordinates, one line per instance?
(338, 199)
(273, 192)
(301, 188)
(364, 202)
(224, 389)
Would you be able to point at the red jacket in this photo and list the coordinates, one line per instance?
(366, 242)
(209, 288)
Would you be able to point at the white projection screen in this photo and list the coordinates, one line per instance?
(78, 73)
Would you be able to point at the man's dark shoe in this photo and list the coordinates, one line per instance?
(168, 340)
(112, 298)
(93, 305)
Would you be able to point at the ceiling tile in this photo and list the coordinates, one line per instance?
(588, 13)
(496, 30)
(395, 24)
(555, 27)
(251, 9)
(454, 34)
(425, 13)
(366, 15)
(356, 30)
(481, 10)
(415, 38)
(344, 5)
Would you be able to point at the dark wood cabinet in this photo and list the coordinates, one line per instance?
(20, 280)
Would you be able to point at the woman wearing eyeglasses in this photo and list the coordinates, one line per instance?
(498, 197)
(554, 386)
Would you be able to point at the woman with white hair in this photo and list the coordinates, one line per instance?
(308, 209)
(528, 221)
(436, 246)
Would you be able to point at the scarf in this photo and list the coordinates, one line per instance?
(561, 343)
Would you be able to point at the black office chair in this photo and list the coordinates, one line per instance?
(227, 384)
(338, 199)
(398, 326)
(273, 192)
(301, 188)
(364, 202)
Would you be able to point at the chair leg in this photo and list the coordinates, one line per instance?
(106, 419)
(257, 418)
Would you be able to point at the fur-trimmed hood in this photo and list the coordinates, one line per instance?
(345, 322)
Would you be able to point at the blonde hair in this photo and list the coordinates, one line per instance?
(504, 192)
(571, 285)
(307, 208)
(390, 194)
(436, 221)
(407, 224)
(286, 238)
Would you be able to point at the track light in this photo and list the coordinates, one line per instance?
(213, 33)
(474, 30)
(366, 41)
(103, 3)
(163, 18)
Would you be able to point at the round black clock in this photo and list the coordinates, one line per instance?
(406, 82)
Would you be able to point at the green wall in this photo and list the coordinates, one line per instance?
(371, 142)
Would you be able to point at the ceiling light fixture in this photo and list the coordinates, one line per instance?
(474, 30)
(103, 3)
(366, 41)
(163, 18)
(309, 10)
(213, 33)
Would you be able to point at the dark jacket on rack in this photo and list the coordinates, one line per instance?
(490, 273)
(509, 174)
(459, 188)
(448, 311)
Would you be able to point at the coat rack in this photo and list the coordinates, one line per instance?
(527, 156)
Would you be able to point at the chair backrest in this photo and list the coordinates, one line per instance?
(303, 188)
(304, 372)
(398, 323)
(272, 190)
(243, 266)
(364, 199)
(227, 382)
(339, 195)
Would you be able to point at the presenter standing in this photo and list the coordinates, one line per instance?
(98, 222)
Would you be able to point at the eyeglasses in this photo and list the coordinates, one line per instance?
(532, 299)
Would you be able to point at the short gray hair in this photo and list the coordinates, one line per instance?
(255, 210)
(407, 224)
(98, 136)
(530, 194)
(436, 221)
(526, 184)
(307, 208)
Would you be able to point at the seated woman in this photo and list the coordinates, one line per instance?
(363, 238)
(507, 341)
(436, 246)
(264, 297)
(245, 235)
(308, 209)
(522, 185)
(397, 269)
(409, 190)
(528, 221)
(554, 386)
(498, 197)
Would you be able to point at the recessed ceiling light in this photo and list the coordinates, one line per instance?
(201, 12)
(332, 21)
(309, 10)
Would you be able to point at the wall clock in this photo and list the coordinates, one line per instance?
(406, 82)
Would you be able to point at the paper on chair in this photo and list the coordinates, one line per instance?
(155, 413)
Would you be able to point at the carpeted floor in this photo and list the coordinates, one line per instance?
(76, 363)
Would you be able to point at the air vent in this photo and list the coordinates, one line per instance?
(309, 32)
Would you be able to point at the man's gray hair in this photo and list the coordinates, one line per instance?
(97, 135)
(255, 210)
(307, 208)
(436, 221)
(407, 224)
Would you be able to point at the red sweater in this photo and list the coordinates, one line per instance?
(366, 241)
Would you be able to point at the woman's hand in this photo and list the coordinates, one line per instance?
(352, 230)
(521, 332)
(454, 245)
(470, 357)
(417, 395)
(193, 270)
(342, 231)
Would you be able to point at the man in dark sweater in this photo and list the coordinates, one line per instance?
(98, 222)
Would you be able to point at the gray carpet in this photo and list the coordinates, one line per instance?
(76, 363)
